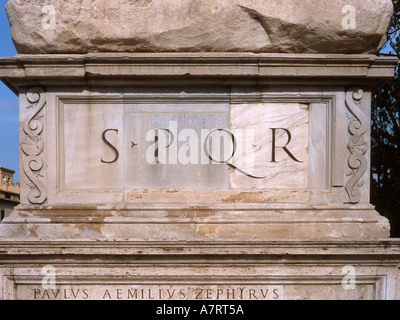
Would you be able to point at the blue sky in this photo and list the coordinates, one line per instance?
(9, 146)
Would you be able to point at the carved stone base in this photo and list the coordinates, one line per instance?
(109, 221)
(199, 270)
(183, 222)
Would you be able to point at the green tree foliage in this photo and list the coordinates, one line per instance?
(385, 179)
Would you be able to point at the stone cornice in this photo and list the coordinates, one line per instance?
(195, 68)
(384, 250)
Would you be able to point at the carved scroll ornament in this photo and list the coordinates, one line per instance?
(358, 144)
(32, 145)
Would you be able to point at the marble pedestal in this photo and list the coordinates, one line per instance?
(188, 172)
(200, 270)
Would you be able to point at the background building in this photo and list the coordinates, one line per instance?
(9, 192)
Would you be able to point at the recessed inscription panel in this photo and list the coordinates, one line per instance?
(165, 146)
(327, 289)
(272, 149)
(112, 147)
(92, 147)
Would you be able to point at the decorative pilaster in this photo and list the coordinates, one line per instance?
(32, 145)
(358, 144)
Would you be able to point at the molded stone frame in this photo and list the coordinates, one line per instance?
(329, 120)
(336, 89)
(295, 244)
(249, 270)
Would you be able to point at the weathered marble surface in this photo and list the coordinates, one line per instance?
(268, 156)
(299, 26)
(82, 96)
(183, 161)
(200, 270)
(277, 243)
